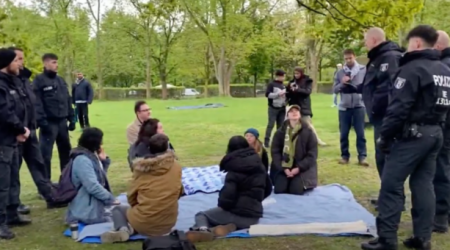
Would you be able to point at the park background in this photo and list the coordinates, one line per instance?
(225, 49)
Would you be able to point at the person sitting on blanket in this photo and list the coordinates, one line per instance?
(252, 136)
(89, 177)
(294, 155)
(141, 147)
(246, 185)
(153, 195)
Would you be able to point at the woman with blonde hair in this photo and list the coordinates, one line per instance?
(252, 137)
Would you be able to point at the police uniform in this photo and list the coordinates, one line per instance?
(381, 68)
(442, 177)
(30, 150)
(53, 112)
(13, 117)
(419, 102)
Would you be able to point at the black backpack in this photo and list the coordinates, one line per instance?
(64, 192)
(176, 240)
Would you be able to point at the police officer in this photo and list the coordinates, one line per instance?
(53, 113)
(412, 132)
(442, 176)
(383, 64)
(29, 150)
(13, 117)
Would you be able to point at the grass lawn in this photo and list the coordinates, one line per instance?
(200, 138)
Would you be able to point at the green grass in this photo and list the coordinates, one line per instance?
(200, 138)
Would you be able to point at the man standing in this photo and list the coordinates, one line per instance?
(351, 107)
(412, 133)
(383, 64)
(53, 110)
(29, 150)
(276, 97)
(442, 177)
(82, 95)
(13, 117)
(338, 67)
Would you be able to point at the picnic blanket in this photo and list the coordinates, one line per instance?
(202, 179)
(327, 211)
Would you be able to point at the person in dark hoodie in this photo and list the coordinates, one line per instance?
(82, 96)
(383, 63)
(13, 120)
(29, 150)
(240, 199)
(298, 93)
(54, 113)
(442, 177)
(276, 98)
(294, 156)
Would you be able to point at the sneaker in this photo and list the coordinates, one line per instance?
(363, 163)
(223, 230)
(5, 233)
(343, 161)
(199, 236)
(22, 209)
(321, 143)
(115, 236)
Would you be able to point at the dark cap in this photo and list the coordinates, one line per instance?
(280, 72)
(7, 56)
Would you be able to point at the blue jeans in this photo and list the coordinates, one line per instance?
(348, 118)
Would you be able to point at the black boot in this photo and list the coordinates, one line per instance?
(440, 224)
(22, 209)
(379, 244)
(5, 233)
(417, 243)
(18, 220)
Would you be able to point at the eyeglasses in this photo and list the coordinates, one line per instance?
(145, 110)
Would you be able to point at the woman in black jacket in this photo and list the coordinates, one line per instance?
(240, 199)
(252, 137)
(298, 93)
(294, 155)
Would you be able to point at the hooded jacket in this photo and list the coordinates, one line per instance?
(246, 185)
(445, 59)
(153, 194)
(298, 93)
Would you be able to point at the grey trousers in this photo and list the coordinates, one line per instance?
(217, 216)
(119, 217)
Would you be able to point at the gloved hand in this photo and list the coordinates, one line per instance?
(384, 145)
(71, 126)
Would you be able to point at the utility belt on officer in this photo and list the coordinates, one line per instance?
(412, 130)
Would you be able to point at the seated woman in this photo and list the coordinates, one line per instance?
(153, 195)
(240, 199)
(294, 155)
(89, 177)
(252, 137)
(141, 147)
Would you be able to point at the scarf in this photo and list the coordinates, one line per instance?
(353, 71)
(289, 145)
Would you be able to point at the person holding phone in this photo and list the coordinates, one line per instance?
(351, 107)
(89, 162)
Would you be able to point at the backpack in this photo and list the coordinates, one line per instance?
(176, 240)
(64, 192)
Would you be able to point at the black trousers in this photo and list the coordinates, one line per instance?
(56, 131)
(31, 153)
(9, 183)
(380, 157)
(285, 185)
(83, 114)
(416, 158)
(276, 116)
(442, 183)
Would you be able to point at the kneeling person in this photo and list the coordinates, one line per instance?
(240, 200)
(153, 195)
(294, 156)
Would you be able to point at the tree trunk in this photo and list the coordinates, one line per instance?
(207, 70)
(255, 80)
(99, 64)
(163, 80)
(148, 76)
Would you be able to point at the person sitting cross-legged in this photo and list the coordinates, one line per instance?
(294, 156)
(153, 195)
(240, 199)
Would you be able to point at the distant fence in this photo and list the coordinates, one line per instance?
(236, 90)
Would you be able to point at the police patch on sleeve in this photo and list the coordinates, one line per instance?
(399, 83)
(384, 67)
